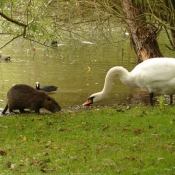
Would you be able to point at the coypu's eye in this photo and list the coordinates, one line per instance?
(49, 99)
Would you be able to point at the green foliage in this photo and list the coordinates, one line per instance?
(33, 14)
(44, 21)
(138, 1)
(2, 2)
(136, 140)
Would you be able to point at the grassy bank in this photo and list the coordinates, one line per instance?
(135, 140)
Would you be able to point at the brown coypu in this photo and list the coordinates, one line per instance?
(22, 97)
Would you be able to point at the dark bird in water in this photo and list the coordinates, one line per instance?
(46, 88)
(53, 43)
(8, 58)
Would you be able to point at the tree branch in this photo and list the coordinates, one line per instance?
(11, 40)
(12, 20)
(15, 22)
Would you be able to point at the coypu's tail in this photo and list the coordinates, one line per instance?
(5, 109)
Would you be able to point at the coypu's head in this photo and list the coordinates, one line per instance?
(50, 104)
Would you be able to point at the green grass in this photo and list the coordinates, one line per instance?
(137, 140)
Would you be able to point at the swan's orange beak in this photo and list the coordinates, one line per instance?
(88, 102)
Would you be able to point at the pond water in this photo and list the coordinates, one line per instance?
(77, 71)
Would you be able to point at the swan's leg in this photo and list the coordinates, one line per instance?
(171, 99)
(151, 98)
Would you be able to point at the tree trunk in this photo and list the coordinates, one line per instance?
(143, 35)
(173, 39)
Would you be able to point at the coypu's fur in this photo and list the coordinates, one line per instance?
(22, 97)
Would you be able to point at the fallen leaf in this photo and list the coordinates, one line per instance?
(138, 131)
(126, 129)
(74, 158)
(63, 129)
(106, 127)
(10, 165)
(6, 127)
(45, 170)
(89, 69)
(150, 127)
(2, 152)
(41, 163)
(160, 158)
(24, 139)
(109, 162)
(55, 147)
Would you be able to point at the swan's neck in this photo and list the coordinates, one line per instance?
(123, 75)
(121, 72)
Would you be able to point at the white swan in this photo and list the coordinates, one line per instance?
(155, 75)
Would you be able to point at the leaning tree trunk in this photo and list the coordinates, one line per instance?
(173, 39)
(143, 35)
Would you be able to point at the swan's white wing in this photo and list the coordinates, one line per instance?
(156, 74)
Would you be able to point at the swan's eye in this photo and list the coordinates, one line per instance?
(91, 98)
